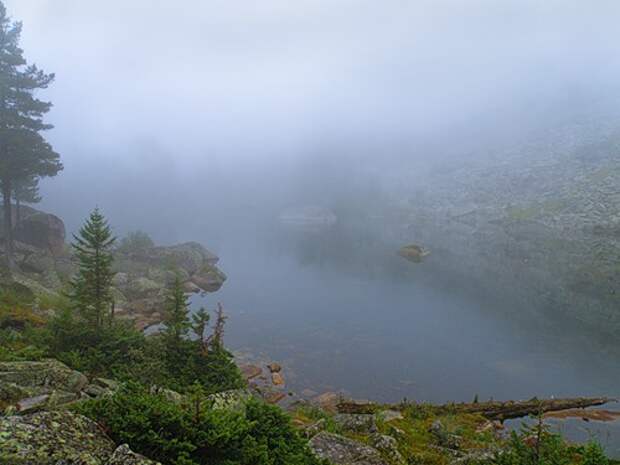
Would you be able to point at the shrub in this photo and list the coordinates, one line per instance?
(181, 434)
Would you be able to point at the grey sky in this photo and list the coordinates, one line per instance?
(190, 85)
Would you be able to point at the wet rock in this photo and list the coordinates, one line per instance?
(328, 401)
(343, 451)
(414, 253)
(274, 367)
(273, 397)
(356, 423)
(277, 379)
(250, 371)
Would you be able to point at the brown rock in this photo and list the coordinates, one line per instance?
(277, 379)
(250, 371)
(273, 397)
(274, 367)
(328, 401)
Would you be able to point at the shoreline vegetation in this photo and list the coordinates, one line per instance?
(177, 396)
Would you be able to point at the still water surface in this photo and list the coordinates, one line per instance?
(377, 337)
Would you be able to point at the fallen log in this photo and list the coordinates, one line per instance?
(494, 410)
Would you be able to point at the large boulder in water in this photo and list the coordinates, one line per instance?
(42, 230)
(413, 252)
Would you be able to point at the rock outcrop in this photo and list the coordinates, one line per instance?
(27, 387)
(343, 451)
(45, 264)
(52, 438)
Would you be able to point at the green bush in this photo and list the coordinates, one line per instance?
(593, 455)
(192, 433)
(120, 351)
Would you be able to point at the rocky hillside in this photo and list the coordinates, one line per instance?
(45, 265)
(539, 223)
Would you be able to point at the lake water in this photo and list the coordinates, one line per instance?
(384, 335)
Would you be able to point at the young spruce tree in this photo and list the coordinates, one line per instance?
(176, 316)
(91, 287)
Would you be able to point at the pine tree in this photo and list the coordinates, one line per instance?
(23, 151)
(91, 287)
(176, 317)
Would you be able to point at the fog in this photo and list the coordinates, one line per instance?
(162, 109)
(417, 122)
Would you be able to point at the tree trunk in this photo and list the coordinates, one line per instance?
(492, 410)
(8, 223)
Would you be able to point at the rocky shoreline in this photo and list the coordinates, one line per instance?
(45, 266)
(37, 426)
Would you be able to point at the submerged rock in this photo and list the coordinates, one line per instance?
(414, 253)
(343, 451)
